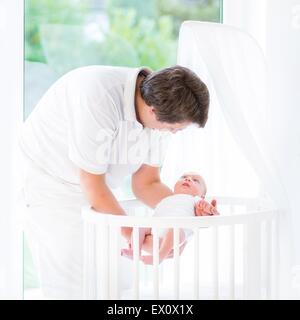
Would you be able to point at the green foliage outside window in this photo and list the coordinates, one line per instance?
(39, 12)
(137, 32)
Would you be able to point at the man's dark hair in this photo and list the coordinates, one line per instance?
(177, 94)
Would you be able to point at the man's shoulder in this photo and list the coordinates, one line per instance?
(98, 72)
(97, 79)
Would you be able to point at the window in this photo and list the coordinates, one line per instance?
(62, 35)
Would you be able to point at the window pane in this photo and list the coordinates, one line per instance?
(65, 34)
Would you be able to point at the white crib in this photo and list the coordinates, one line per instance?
(257, 241)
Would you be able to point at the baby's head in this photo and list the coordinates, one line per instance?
(191, 183)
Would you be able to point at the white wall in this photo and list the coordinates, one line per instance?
(11, 106)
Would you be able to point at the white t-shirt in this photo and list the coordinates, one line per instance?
(87, 120)
(177, 205)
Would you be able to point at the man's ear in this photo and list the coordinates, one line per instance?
(152, 110)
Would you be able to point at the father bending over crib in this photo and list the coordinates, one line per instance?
(187, 200)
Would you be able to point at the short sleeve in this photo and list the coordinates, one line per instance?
(159, 141)
(92, 124)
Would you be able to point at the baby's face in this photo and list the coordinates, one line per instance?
(191, 183)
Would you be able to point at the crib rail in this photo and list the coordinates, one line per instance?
(168, 222)
(102, 250)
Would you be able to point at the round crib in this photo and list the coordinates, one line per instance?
(245, 234)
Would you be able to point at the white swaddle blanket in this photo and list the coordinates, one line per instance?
(177, 205)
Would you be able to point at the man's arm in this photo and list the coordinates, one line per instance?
(100, 197)
(147, 186)
(166, 248)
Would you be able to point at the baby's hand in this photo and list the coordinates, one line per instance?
(203, 208)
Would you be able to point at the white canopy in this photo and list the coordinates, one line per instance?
(232, 64)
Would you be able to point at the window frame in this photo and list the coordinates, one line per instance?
(11, 83)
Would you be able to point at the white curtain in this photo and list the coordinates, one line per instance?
(275, 24)
(283, 52)
(233, 152)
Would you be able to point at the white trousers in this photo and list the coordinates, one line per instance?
(54, 230)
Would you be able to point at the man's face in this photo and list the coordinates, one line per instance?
(171, 127)
(191, 183)
(152, 123)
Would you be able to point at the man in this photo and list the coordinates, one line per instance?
(92, 128)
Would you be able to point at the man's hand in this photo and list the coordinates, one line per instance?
(143, 233)
(148, 260)
(148, 248)
(203, 208)
(126, 232)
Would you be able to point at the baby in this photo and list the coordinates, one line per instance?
(187, 200)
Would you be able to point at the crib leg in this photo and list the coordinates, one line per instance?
(196, 264)
(232, 262)
(275, 256)
(215, 241)
(89, 271)
(155, 263)
(114, 242)
(252, 261)
(176, 263)
(136, 263)
(102, 262)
